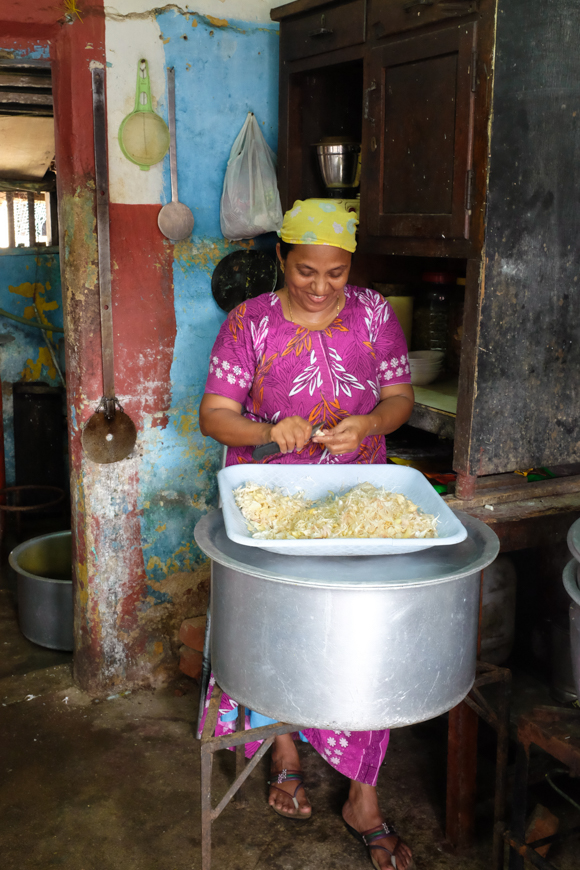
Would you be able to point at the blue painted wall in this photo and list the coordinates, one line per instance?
(24, 354)
(222, 73)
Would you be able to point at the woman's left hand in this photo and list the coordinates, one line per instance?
(346, 436)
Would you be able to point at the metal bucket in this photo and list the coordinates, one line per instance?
(45, 601)
(572, 586)
(346, 643)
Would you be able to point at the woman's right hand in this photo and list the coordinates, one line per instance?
(291, 433)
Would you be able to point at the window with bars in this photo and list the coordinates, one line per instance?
(26, 219)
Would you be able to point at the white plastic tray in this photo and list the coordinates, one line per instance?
(316, 481)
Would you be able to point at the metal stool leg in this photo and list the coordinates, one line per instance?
(205, 671)
(206, 771)
(241, 756)
(211, 744)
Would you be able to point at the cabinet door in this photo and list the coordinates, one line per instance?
(418, 135)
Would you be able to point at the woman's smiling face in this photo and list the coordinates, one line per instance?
(315, 276)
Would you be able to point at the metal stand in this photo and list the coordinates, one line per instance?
(557, 732)
(211, 744)
(462, 759)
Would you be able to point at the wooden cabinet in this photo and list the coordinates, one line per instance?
(418, 137)
(331, 28)
(470, 136)
(400, 16)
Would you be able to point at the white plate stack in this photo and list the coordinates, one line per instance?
(425, 366)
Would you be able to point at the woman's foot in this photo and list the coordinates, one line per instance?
(285, 757)
(361, 812)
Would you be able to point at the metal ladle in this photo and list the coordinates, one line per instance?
(175, 220)
(109, 435)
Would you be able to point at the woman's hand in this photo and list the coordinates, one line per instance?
(346, 436)
(291, 433)
(393, 409)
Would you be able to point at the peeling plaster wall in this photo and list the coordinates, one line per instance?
(25, 274)
(137, 570)
(150, 572)
(221, 74)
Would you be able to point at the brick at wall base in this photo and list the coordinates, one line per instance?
(190, 661)
(192, 632)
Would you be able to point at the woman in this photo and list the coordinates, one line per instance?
(317, 351)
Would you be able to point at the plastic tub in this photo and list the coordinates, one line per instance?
(316, 481)
(45, 602)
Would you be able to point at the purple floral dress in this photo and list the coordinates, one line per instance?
(275, 368)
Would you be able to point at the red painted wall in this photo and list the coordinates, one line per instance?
(113, 644)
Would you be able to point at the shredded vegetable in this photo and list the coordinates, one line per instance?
(364, 511)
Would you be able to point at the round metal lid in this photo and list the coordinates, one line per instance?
(574, 539)
(436, 565)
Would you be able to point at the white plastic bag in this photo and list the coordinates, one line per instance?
(250, 203)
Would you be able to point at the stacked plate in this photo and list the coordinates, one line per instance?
(425, 366)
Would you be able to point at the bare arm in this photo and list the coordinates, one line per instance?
(394, 409)
(222, 419)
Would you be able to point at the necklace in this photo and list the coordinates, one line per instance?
(290, 305)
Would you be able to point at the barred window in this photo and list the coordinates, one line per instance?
(25, 219)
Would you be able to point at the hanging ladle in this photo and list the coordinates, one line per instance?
(109, 435)
(175, 220)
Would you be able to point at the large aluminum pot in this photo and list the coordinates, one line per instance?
(45, 599)
(574, 544)
(572, 585)
(346, 643)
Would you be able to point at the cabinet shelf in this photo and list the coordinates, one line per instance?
(436, 407)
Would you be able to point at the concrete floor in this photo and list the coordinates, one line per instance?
(113, 784)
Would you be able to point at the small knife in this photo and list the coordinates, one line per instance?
(269, 449)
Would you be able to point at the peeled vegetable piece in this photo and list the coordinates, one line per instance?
(365, 511)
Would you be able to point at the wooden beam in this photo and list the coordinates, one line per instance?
(280, 12)
(12, 79)
(524, 492)
(14, 109)
(23, 97)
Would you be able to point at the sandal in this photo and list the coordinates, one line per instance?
(367, 837)
(281, 777)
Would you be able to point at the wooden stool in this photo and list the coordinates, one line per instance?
(556, 731)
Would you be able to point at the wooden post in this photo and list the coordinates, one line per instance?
(465, 486)
(461, 775)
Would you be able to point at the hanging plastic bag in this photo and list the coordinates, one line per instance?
(250, 203)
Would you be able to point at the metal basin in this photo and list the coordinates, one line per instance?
(346, 643)
(339, 164)
(45, 602)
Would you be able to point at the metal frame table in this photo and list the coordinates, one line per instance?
(210, 744)
(236, 563)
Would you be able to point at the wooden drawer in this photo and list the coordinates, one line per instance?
(327, 29)
(386, 17)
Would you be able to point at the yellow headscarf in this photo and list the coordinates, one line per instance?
(320, 222)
